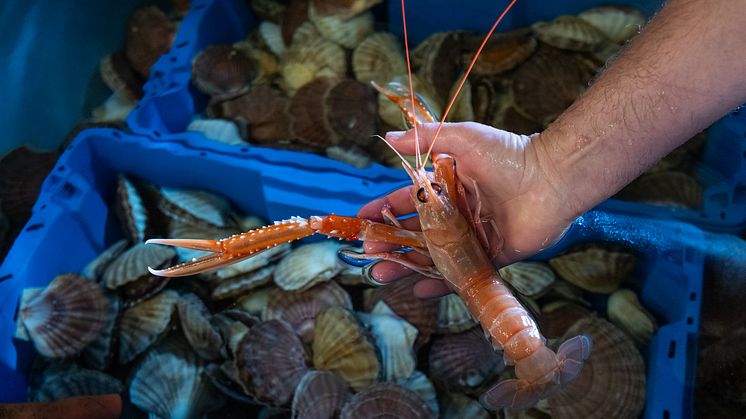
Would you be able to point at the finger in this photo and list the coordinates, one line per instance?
(431, 288)
(386, 271)
(400, 202)
(452, 138)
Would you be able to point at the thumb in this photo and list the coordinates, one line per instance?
(452, 138)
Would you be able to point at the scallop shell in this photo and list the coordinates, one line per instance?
(421, 385)
(223, 71)
(77, 382)
(170, 383)
(509, 119)
(386, 400)
(309, 123)
(96, 268)
(352, 155)
(150, 35)
(225, 381)
(350, 109)
(320, 395)
(612, 381)
(98, 354)
(300, 308)
(618, 23)
(348, 33)
(265, 110)
(548, 83)
(464, 361)
(295, 17)
(531, 279)
(130, 210)
(117, 73)
(595, 268)
(255, 301)
(22, 172)
(114, 110)
(488, 100)
(503, 52)
(340, 345)
(438, 62)
(343, 9)
(220, 130)
(463, 108)
(271, 361)
(378, 58)
(559, 316)
(665, 188)
(199, 332)
(570, 33)
(308, 265)
(395, 341)
(65, 317)
(460, 406)
(143, 324)
(271, 10)
(453, 315)
(27, 294)
(195, 207)
(129, 275)
(232, 330)
(310, 59)
(271, 35)
(390, 112)
(399, 296)
(626, 312)
(241, 284)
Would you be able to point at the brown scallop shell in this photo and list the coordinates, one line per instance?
(453, 315)
(22, 172)
(117, 73)
(241, 284)
(130, 210)
(343, 9)
(464, 361)
(547, 83)
(626, 312)
(309, 123)
(96, 268)
(438, 61)
(223, 71)
(463, 106)
(99, 353)
(378, 58)
(488, 99)
(612, 381)
(197, 328)
(350, 108)
(129, 275)
(309, 58)
(271, 10)
(197, 207)
(295, 15)
(74, 382)
(300, 308)
(558, 316)
(595, 268)
(65, 317)
(348, 33)
(570, 33)
(386, 400)
(665, 188)
(503, 52)
(320, 395)
(150, 35)
(271, 361)
(341, 345)
(399, 296)
(618, 23)
(145, 323)
(531, 279)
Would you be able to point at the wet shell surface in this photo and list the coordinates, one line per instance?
(350, 108)
(310, 59)
(626, 312)
(395, 341)
(143, 324)
(378, 58)
(421, 385)
(531, 279)
(99, 353)
(198, 330)
(300, 308)
(129, 275)
(309, 123)
(220, 130)
(340, 345)
(665, 188)
(386, 400)
(570, 33)
(348, 33)
(618, 23)
(150, 35)
(320, 395)
(594, 268)
(503, 52)
(223, 71)
(343, 9)
(195, 207)
(271, 361)
(130, 210)
(243, 283)
(65, 317)
(95, 268)
(453, 315)
(308, 265)
(464, 361)
(77, 382)
(612, 381)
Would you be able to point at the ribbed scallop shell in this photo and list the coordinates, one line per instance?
(619, 23)
(488, 99)
(350, 108)
(670, 188)
(464, 361)
(197, 328)
(271, 10)
(343, 9)
(223, 71)
(340, 345)
(129, 275)
(100, 352)
(300, 308)
(570, 33)
(142, 325)
(394, 339)
(438, 62)
(460, 406)
(612, 381)
(453, 316)
(195, 207)
(150, 35)
(232, 330)
(65, 317)
(399, 296)
(170, 383)
(220, 130)
(503, 52)
(119, 76)
(378, 58)
(95, 268)
(308, 265)
(320, 395)
(626, 312)
(386, 400)
(271, 361)
(421, 385)
(557, 317)
(531, 279)
(130, 210)
(22, 172)
(271, 35)
(309, 123)
(294, 17)
(255, 301)
(77, 382)
(594, 268)
(241, 284)
(267, 112)
(310, 59)
(346, 32)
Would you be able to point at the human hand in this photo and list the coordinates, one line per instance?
(515, 186)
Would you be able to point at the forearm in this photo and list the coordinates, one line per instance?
(686, 69)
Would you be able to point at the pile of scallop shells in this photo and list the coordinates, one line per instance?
(295, 331)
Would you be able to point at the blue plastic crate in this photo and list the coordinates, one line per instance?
(72, 223)
(172, 101)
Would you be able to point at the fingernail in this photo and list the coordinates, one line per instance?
(394, 135)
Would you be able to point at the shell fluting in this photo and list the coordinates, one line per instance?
(308, 265)
(599, 269)
(464, 361)
(143, 324)
(386, 400)
(77, 382)
(198, 330)
(320, 395)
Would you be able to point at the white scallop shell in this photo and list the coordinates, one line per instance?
(271, 34)
(308, 265)
(395, 341)
(143, 324)
(220, 130)
(423, 387)
(454, 316)
(348, 33)
(378, 58)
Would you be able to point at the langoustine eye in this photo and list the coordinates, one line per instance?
(422, 193)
